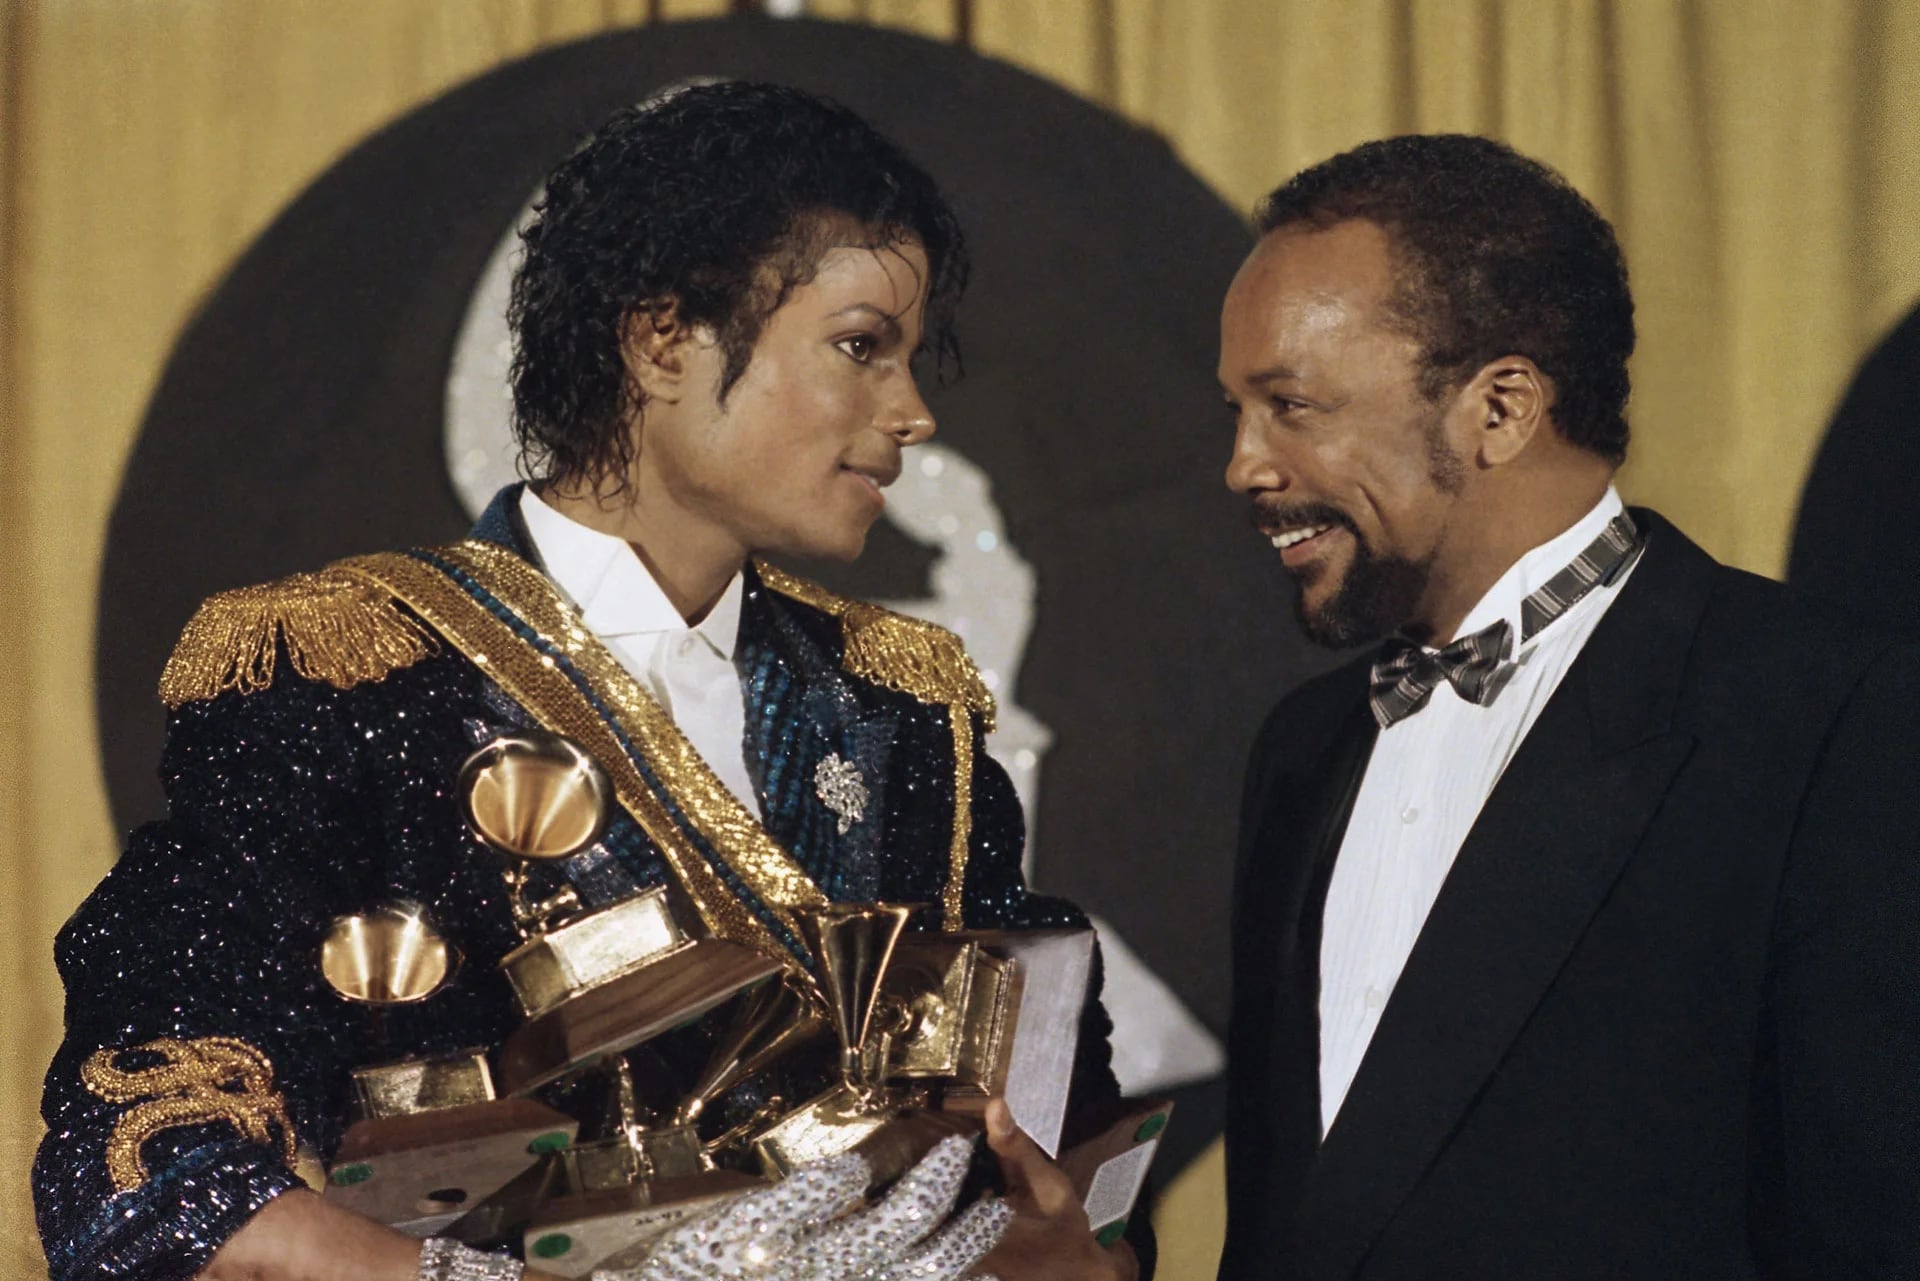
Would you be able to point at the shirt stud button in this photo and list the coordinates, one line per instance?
(1409, 814)
(1376, 999)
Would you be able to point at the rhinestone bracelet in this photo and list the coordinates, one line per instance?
(444, 1259)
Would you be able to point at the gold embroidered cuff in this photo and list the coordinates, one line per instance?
(207, 1079)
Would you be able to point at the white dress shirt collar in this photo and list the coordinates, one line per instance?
(1531, 572)
(612, 586)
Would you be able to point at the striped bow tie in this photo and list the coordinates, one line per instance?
(1405, 675)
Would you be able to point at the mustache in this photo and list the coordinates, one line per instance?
(1270, 514)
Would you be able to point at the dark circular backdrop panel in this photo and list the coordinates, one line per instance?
(300, 419)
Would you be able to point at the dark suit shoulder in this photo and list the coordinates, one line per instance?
(1314, 706)
(1743, 655)
(1779, 616)
(1763, 643)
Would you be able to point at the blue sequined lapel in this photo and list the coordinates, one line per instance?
(500, 523)
(743, 882)
(801, 710)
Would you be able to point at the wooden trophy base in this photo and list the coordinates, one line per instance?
(621, 1013)
(1109, 1168)
(420, 1172)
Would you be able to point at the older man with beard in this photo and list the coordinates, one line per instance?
(1575, 920)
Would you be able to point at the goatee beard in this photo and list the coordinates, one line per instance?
(1379, 593)
(1377, 596)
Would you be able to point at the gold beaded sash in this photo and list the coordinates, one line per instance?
(508, 619)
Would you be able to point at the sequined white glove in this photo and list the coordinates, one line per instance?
(815, 1225)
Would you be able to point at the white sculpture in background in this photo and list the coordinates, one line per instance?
(982, 589)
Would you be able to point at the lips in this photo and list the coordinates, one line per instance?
(875, 477)
(1294, 535)
(1300, 546)
(1300, 532)
(880, 475)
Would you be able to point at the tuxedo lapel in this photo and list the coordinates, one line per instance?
(1302, 779)
(1548, 845)
(1292, 832)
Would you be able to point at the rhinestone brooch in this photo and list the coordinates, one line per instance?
(841, 789)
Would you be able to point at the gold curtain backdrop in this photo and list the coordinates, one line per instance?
(1761, 159)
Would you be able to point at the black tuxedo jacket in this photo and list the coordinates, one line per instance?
(1664, 1018)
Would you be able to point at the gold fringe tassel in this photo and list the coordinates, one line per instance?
(901, 653)
(337, 628)
(953, 899)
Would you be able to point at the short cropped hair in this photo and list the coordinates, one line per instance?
(721, 196)
(1495, 255)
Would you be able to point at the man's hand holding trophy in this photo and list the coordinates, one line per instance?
(676, 1105)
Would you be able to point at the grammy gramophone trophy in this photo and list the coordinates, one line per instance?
(931, 1027)
(934, 1025)
(591, 982)
(434, 1138)
(597, 983)
(430, 1136)
(852, 946)
(615, 1196)
(926, 1027)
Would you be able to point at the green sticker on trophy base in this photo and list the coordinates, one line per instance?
(1112, 1232)
(546, 1143)
(553, 1245)
(348, 1175)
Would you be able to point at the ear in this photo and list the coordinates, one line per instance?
(1511, 401)
(655, 345)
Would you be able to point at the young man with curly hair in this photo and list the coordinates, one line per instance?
(722, 300)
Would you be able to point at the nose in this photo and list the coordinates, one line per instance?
(1252, 467)
(905, 416)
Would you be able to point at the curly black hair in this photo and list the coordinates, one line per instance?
(1496, 255)
(720, 196)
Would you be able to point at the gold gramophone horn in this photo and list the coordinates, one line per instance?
(535, 795)
(387, 955)
(766, 1023)
(852, 945)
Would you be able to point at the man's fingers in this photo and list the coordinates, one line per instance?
(1033, 1179)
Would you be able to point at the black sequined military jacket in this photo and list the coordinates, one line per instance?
(317, 726)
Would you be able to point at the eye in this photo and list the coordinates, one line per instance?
(858, 347)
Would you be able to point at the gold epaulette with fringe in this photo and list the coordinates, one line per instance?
(337, 627)
(901, 653)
